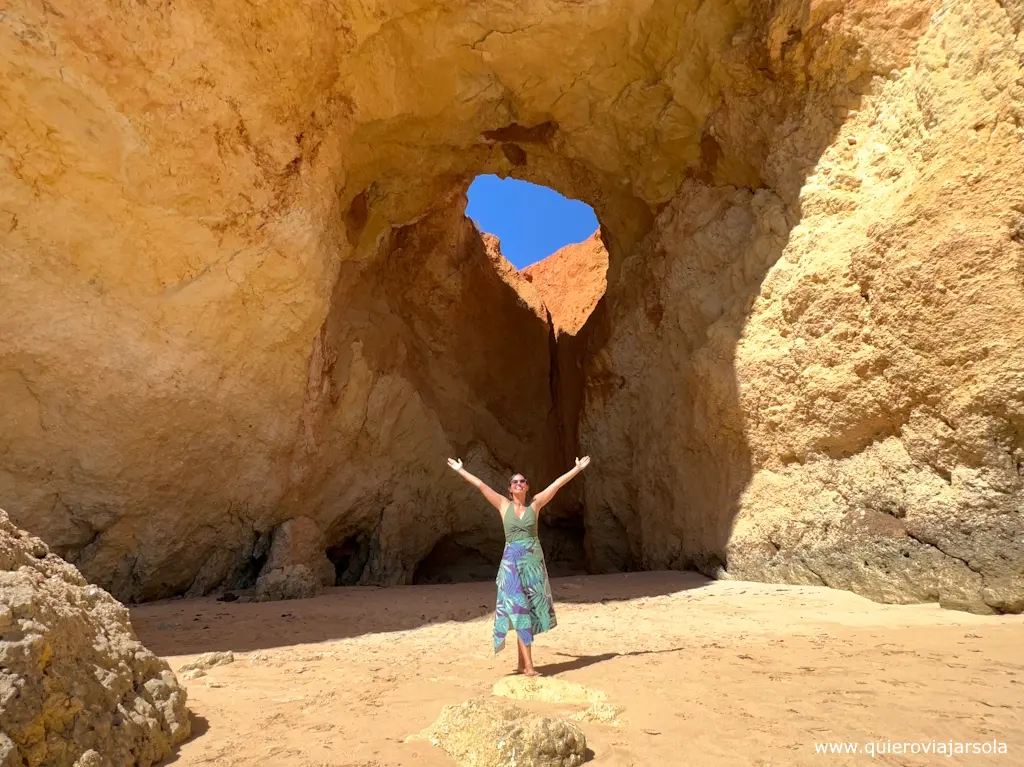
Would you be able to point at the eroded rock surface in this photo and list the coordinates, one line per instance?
(239, 286)
(208, 660)
(551, 690)
(299, 541)
(829, 390)
(291, 582)
(76, 686)
(491, 732)
(571, 281)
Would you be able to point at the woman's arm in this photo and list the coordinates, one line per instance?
(544, 497)
(497, 501)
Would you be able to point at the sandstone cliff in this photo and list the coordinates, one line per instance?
(835, 363)
(238, 286)
(571, 281)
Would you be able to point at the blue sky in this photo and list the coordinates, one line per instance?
(531, 221)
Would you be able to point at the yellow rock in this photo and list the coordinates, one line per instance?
(490, 732)
(238, 286)
(547, 689)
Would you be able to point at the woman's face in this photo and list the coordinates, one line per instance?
(518, 485)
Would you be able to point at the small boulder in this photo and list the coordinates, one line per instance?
(298, 541)
(605, 713)
(292, 582)
(209, 660)
(491, 732)
(76, 685)
(549, 689)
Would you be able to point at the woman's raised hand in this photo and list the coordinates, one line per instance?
(456, 464)
(582, 463)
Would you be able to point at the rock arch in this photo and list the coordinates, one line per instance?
(239, 288)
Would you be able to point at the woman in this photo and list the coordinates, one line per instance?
(524, 594)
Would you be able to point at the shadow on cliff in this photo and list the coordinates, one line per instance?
(190, 627)
(659, 408)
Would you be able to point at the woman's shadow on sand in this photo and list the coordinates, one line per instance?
(582, 661)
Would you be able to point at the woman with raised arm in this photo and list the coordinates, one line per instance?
(524, 593)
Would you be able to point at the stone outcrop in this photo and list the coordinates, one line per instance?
(239, 286)
(76, 686)
(571, 281)
(491, 732)
(299, 541)
(551, 690)
(291, 582)
(829, 390)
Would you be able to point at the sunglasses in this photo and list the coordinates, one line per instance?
(518, 482)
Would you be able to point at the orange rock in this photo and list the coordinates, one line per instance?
(571, 281)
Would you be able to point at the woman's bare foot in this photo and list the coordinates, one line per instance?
(526, 659)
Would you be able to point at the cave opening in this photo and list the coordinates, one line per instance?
(455, 560)
(498, 282)
(562, 538)
(461, 559)
(349, 558)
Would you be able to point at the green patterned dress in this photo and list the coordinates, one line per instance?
(524, 593)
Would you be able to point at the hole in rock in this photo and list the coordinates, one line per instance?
(251, 571)
(349, 559)
(562, 539)
(248, 569)
(530, 220)
(553, 241)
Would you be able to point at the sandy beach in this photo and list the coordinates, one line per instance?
(689, 671)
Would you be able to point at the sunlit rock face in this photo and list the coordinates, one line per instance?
(821, 383)
(76, 681)
(571, 282)
(239, 288)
